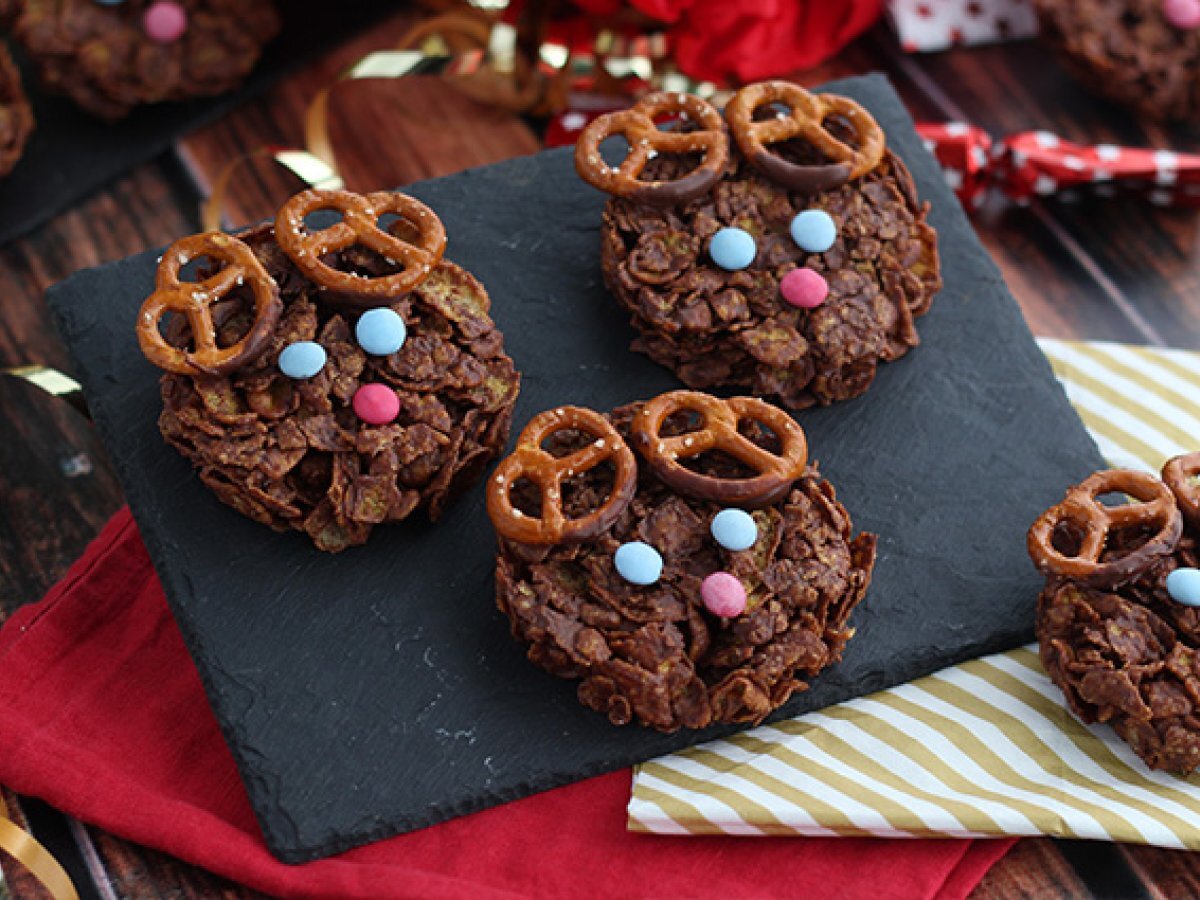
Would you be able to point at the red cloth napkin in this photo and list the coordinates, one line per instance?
(103, 716)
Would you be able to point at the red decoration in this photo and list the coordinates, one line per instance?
(104, 717)
(1038, 163)
(736, 41)
(564, 129)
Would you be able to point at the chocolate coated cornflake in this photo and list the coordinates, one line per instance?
(1127, 656)
(733, 328)
(101, 56)
(655, 654)
(292, 454)
(1128, 51)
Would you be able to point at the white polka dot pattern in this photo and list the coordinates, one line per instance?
(1041, 164)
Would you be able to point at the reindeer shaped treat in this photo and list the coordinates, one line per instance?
(1119, 618)
(1142, 53)
(111, 56)
(780, 248)
(679, 557)
(329, 380)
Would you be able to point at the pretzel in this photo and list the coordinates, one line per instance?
(548, 472)
(1178, 474)
(720, 432)
(805, 119)
(1083, 511)
(195, 300)
(359, 225)
(636, 124)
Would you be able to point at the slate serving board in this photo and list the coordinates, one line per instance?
(378, 691)
(72, 153)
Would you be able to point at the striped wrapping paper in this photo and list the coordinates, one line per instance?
(985, 748)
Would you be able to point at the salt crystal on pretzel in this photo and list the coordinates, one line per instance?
(359, 225)
(530, 462)
(637, 125)
(1082, 517)
(719, 432)
(805, 119)
(194, 301)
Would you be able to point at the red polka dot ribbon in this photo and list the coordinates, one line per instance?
(1040, 164)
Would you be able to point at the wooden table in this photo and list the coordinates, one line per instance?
(1124, 271)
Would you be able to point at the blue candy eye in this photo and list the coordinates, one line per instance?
(814, 230)
(732, 248)
(301, 360)
(1183, 586)
(638, 563)
(734, 529)
(381, 331)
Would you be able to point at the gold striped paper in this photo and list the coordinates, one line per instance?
(985, 748)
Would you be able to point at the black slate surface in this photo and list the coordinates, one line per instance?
(72, 153)
(378, 691)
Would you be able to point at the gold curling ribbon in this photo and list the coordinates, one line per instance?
(21, 846)
(469, 47)
(509, 67)
(453, 44)
(54, 383)
(314, 172)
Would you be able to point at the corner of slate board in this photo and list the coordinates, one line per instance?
(378, 691)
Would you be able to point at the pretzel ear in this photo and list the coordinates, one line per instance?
(637, 125)
(1179, 474)
(804, 119)
(530, 462)
(194, 301)
(719, 431)
(1092, 522)
(360, 215)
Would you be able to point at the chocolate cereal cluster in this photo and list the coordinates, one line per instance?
(1119, 617)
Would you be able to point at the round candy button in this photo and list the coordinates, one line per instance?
(1184, 586)
(381, 331)
(732, 249)
(723, 595)
(303, 359)
(376, 404)
(638, 563)
(734, 529)
(1183, 14)
(804, 288)
(814, 230)
(165, 22)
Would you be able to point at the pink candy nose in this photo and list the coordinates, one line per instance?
(165, 22)
(1182, 13)
(723, 595)
(804, 288)
(376, 404)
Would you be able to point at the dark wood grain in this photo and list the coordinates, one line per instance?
(57, 486)
(55, 480)
(1097, 270)
(385, 133)
(1033, 868)
(1138, 262)
(138, 873)
(1167, 874)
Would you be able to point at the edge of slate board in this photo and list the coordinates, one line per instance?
(295, 842)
